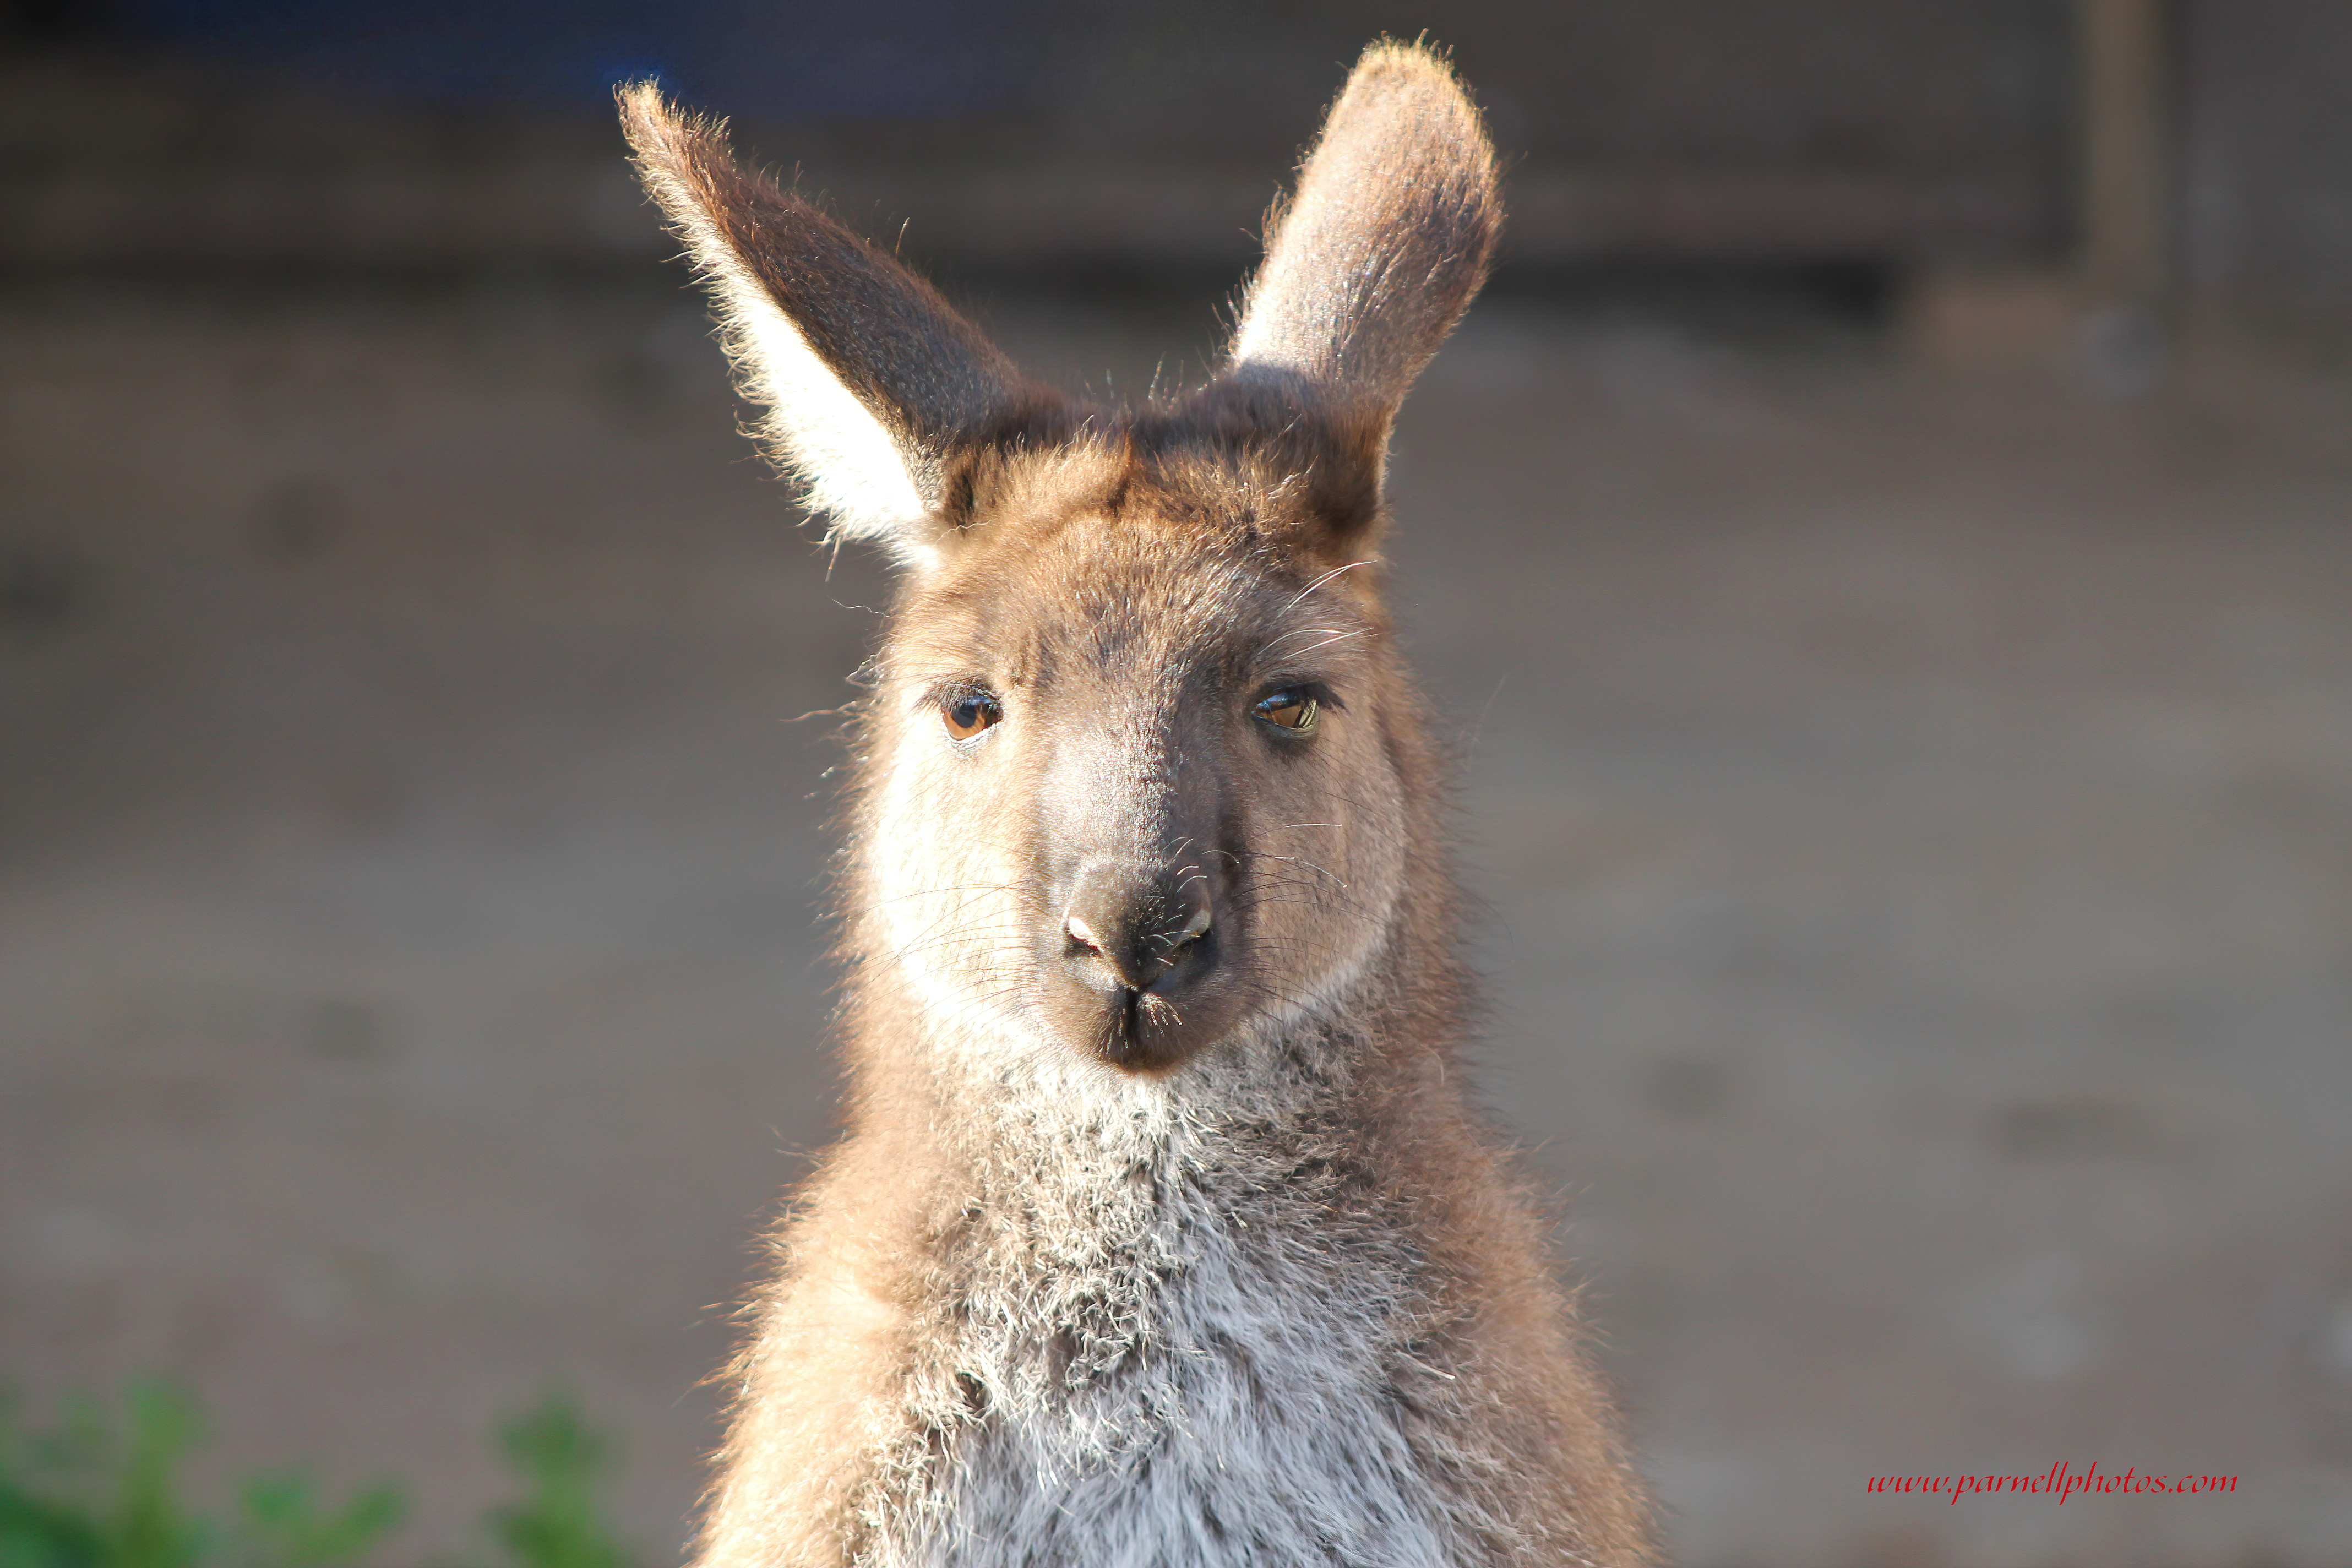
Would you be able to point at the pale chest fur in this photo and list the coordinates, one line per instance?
(1192, 1347)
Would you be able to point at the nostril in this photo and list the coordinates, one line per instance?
(1194, 930)
(1083, 934)
(1176, 947)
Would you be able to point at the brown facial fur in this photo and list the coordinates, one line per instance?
(1159, 1233)
(1127, 610)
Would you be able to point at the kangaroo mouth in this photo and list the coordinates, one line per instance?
(1149, 1030)
(1144, 1032)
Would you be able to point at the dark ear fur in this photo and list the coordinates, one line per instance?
(1374, 259)
(873, 382)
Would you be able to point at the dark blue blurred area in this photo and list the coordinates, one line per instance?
(896, 59)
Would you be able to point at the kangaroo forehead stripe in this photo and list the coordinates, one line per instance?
(1101, 604)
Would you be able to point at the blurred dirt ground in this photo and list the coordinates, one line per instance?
(1913, 809)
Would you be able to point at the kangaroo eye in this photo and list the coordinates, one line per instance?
(1293, 709)
(971, 713)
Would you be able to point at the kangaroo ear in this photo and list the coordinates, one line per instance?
(872, 382)
(1381, 250)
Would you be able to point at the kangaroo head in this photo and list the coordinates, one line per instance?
(1142, 772)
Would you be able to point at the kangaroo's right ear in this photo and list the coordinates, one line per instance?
(872, 381)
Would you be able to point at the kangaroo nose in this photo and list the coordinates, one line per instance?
(1139, 927)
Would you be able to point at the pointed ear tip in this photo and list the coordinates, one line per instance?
(640, 99)
(1415, 58)
(1418, 79)
(668, 138)
(649, 116)
(1386, 50)
(646, 118)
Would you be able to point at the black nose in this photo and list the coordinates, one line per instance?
(1136, 927)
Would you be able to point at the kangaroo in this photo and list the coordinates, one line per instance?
(1160, 1233)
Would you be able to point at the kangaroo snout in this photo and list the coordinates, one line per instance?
(1141, 929)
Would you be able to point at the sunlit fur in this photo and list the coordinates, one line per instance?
(1238, 1281)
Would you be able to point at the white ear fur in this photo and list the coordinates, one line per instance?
(872, 382)
(850, 469)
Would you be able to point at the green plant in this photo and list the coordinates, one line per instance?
(284, 1523)
(559, 1522)
(96, 1492)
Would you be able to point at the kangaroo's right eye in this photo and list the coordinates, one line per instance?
(969, 714)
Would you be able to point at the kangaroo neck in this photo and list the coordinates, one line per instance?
(1147, 1312)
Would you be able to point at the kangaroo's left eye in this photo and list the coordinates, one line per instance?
(1293, 709)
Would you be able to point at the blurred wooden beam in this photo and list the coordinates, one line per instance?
(176, 168)
(2124, 198)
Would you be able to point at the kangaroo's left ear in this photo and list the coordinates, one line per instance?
(1373, 260)
(873, 382)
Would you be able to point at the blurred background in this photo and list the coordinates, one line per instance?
(1881, 549)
